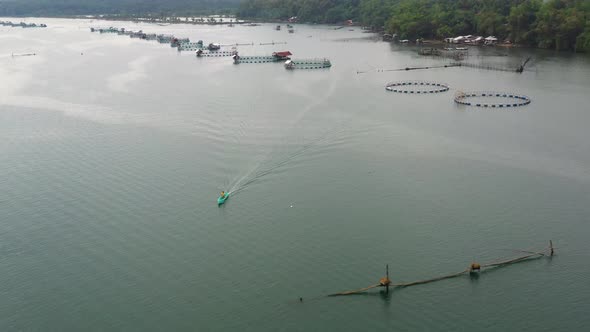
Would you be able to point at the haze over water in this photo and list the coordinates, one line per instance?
(113, 152)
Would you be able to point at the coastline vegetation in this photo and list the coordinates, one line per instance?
(554, 24)
(122, 8)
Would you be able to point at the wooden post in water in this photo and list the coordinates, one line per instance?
(551, 247)
(387, 276)
(385, 282)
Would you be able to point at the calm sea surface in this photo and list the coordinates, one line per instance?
(113, 151)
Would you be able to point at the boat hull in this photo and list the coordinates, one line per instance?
(221, 200)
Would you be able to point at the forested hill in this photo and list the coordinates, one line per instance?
(126, 7)
(558, 24)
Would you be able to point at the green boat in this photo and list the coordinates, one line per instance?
(222, 199)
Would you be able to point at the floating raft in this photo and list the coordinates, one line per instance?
(164, 39)
(191, 46)
(308, 64)
(274, 43)
(161, 38)
(108, 30)
(22, 24)
(215, 53)
(257, 59)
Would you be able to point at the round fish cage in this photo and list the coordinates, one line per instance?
(507, 99)
(417, 87)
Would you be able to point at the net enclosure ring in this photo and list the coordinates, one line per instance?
(417, 87)
(505, 99)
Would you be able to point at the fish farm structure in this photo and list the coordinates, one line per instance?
(160, 38)
(201, 53)
(22, 25)
(470, 99)
(214, 49)
(417, 87)
(474, 269)
(190, 46)
(275, 57)
(308, 64)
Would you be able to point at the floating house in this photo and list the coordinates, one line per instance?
(491, 40)
(214, 47)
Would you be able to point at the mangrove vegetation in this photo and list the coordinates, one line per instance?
(555, 24)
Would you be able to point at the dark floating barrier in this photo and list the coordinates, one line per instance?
(473, 269)
(410, 68)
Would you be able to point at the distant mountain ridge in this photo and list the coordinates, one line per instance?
(123, 7)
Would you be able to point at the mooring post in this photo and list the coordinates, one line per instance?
(387, 276)
(551, 247)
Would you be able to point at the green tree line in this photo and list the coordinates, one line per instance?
(110, 7)
(314, 11)
(557, 24)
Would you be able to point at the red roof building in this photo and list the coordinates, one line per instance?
(283, 54)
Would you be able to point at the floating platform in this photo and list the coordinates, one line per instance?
(308, 64)
(257, 59)
(108, 30)
(191, 46)
(164, 39)
(175, 42)
(275, 57)
(201, 53)
(22, 24)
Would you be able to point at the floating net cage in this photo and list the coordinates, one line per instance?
(417, 87)
(484, 99)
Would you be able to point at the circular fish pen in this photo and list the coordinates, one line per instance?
(491, 99)
(417, 87)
